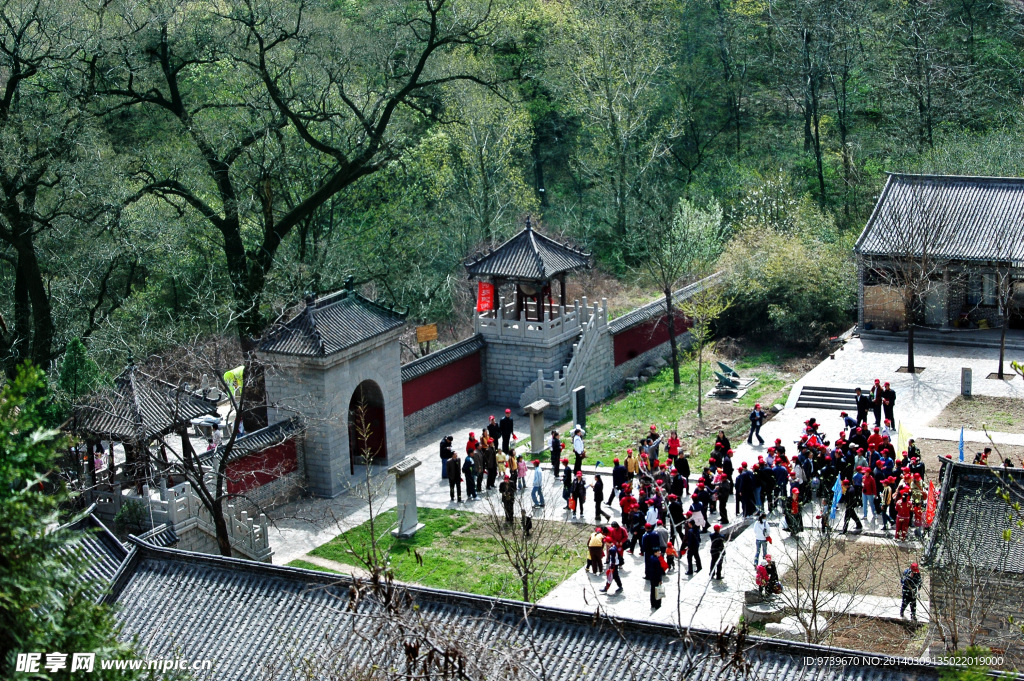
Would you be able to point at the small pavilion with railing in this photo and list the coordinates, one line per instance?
(523, 272)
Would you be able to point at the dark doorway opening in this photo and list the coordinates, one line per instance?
(367, 433)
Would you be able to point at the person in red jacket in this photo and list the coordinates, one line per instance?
(868, 493)
(903, 510)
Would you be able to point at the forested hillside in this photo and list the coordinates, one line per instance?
(173, 170)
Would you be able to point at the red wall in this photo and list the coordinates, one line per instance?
(259, 468)
(641, 338)
(428, 389)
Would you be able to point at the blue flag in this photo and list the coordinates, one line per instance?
(837, 491)
(961, 444)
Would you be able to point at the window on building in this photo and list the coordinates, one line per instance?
(981, 289)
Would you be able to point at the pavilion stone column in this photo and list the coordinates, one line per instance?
(536, 412)
(405, 483)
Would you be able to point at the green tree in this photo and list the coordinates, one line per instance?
(78, 372)
(673, 244)
(703, 309)
(45, 604)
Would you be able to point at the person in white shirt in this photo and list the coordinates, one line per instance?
(762, 536)
(537, 493)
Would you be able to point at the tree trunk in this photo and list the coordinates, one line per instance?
(526, 588)
(910, 348)
(221, 525)
(670, 319)
(1002, 345)
(700, 373)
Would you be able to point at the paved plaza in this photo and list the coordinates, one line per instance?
(694, 600)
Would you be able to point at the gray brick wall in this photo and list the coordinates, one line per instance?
(509, 367)
(983, 606)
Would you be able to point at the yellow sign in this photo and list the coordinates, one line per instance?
(425, 334)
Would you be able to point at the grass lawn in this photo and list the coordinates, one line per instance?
(617, 423)
(455, 550)
(1001, 414)
(306, 565)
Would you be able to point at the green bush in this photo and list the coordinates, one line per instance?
(791, 277)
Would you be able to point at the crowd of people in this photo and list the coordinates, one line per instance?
(665, 515)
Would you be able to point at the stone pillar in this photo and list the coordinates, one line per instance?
(579, 406)
(405, 483)
(536, 413)
(965, 381)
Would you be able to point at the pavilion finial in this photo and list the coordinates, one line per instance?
(528, 225)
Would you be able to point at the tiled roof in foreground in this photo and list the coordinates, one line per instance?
(255, 620)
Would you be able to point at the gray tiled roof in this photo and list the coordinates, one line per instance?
(443, 357)
(332, 324)
(95, 554)
(258, 440)
(161, 535)
(528, 255)
(948, 216)
(656, 308)
(246, 616)
(972, 515)
(140, 407)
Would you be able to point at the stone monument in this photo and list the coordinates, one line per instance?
(536, 413)
(405, 483)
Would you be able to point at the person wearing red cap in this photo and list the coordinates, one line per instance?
(794, 521)
(851, 501)
(717, 552)
(889, 403)
(493, 429)
(903, 510)
(507, 490)
(579, 494)
(507, 431)
(875, 395)
(757, 417)
(537, 489)
(911, 585)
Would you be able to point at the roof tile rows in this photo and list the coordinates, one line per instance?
(529, 255)
(948, 217)
(96, 556)
(974, 517)
(247, 617)
(331, 324)
(443, 357)
(140, 407)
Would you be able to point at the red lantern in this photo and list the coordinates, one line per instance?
(484, 297)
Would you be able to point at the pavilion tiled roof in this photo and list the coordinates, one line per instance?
(246, 617)
(331, 324)
(972, 514)
(140, 408)
(530, 256)
(258, 440)
(950, 217)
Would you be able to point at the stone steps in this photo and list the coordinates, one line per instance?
(827, 397)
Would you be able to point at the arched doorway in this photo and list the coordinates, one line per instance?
(367, 433)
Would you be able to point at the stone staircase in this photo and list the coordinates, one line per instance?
(826, 397)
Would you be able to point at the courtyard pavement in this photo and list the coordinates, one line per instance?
(696, 600)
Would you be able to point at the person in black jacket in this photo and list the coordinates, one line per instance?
(911, 584)
(455, 476)
(654, 573)
(598, 498)
(469, 471)
(756, 421)
(889, 403)
(717, 552)
(493, 429)
(506, 431)
(446, 453)
(556, 453)
(579, 493)
(619, 478)
(863, 405)
(692, 543)
(852, 501)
